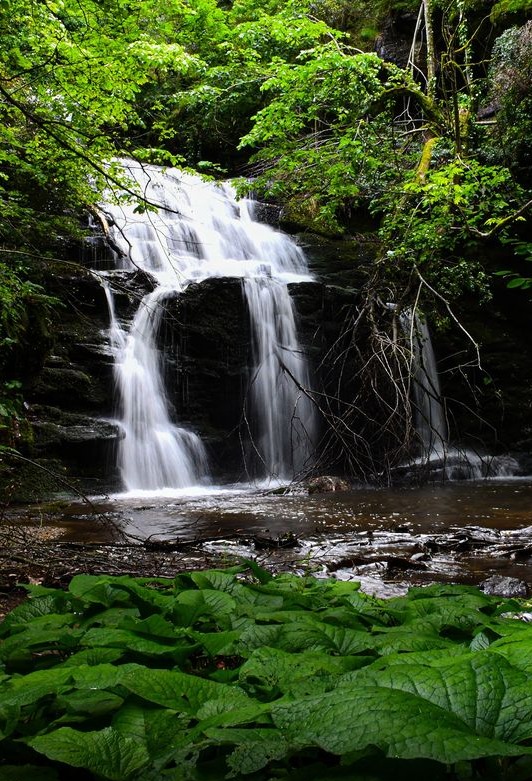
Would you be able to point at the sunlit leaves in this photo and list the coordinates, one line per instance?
(71, 76)
(324, 136)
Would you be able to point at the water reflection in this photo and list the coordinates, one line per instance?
(456, 531)
(495, 504)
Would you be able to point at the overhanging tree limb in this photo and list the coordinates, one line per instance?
(44, 125)
(502, 223)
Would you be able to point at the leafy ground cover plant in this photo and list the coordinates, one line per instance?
(237, 674)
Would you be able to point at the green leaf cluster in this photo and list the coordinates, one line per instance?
(71, 74)
(206, 114)
(511, 91)
(71, 81)
(523, 250)
(343, 132)
(441, 215)
(238, 674)
(324, 137)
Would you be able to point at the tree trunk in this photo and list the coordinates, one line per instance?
(431, 59)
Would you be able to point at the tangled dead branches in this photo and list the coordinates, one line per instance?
(381, 401)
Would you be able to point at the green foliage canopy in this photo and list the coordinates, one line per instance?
(327, 129)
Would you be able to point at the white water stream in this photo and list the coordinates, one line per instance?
(453, 462)
(200, 231)
(429, 415)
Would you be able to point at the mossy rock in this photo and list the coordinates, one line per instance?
(26, 482)
(69, 388)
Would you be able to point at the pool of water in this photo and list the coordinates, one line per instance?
(457, 531)
(495, 504)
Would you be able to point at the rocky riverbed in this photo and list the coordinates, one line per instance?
(387, 539)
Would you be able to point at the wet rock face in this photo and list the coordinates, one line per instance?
(205, 339)
(77, 373)
(72, 400)
(491, 405)
(395, 41)
(74, 391)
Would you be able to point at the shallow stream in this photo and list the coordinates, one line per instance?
(454, 532)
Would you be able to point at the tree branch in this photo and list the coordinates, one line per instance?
(502, 223)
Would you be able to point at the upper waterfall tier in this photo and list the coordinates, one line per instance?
(191, 229)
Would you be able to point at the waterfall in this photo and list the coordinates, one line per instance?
(451, 462)
(279, 371)
(429, 415)
(154, 453)
(200, 230)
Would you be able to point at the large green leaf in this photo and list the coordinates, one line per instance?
(25, 690)
(181, 692)
(217, 580)
(178, 650)
(270, 671)
(31, 610)
(153, 626)
(161, 730)
(217, 643)
(93, 656)
(318, 636)
(463, 611)
(433, 657)
(516, 648)
(256, 635)
(399, 723)
(376, 611)
(191, 607)
(108, 591)
(106, 753)
(38, 638)
(98, 590)
(101, 676)
(89, 702)
(9, 717)
(491, 698)
(111, 616)
(254, 747)
(408, 638)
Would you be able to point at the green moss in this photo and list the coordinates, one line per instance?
(504, 8)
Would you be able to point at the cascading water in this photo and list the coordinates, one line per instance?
(429, 416)
(154, 453)
(279, 372)
(200, 230)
